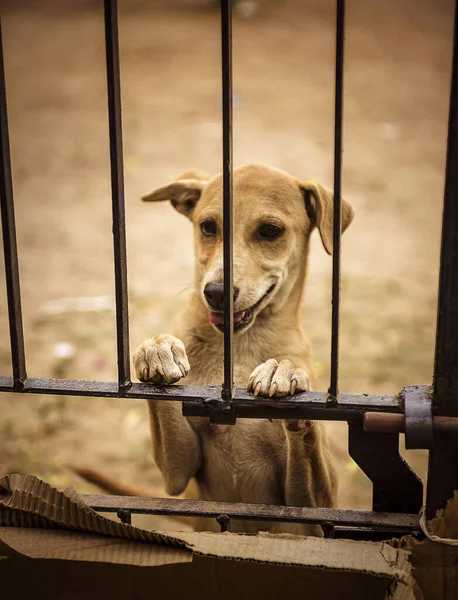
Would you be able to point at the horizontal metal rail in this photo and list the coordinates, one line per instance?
(206, 401)
(253, 512)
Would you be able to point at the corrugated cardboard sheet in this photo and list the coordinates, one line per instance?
(57, 547)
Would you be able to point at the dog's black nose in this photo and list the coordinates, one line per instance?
(214, 293)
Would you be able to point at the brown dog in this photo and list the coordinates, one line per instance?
(280, 462)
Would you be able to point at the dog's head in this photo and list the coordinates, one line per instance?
(274, 215)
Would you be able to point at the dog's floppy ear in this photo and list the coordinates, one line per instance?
(183, 193)
(319, 204)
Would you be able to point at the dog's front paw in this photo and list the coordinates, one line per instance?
(162, 359)
(274, 378)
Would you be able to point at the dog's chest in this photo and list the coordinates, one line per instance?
(212, 373)
(242, 462)
(207, 363)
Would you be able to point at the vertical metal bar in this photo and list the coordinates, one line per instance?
(125, 516)
(446, 360)
(9, 239)
(117, 192)
(340, 40)
(443, 464)
(224, 522)
(226, 54)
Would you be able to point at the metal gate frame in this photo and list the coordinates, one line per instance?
(428, 416)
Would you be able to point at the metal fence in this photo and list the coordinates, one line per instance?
(428, 416)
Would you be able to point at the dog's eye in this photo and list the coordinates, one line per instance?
(208, 227)
(269, 232)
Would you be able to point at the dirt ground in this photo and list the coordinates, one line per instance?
(398, 58)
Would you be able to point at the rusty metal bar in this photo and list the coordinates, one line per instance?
(337, 232)
(226, 56)
(253, 512)
(205, 401)
(382, 422)
(117, 192)
(443, 463)
(9, 239)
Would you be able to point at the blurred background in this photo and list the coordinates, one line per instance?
(398, 60)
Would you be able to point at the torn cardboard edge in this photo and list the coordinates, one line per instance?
(435, 559)
(441, 529)
(445, 524)
(381, 559)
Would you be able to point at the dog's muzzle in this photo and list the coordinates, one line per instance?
(241, 318)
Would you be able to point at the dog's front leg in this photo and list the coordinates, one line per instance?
(310, 476)
(176, 446)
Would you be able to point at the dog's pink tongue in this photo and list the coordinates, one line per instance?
(217, 318)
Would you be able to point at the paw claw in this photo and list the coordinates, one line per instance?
(273, 389)
(257, 389)
(183, 369)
